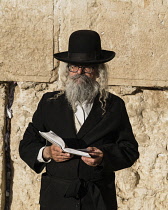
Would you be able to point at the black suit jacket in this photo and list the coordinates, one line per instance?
(66, 184)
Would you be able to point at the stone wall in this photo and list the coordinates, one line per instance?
(26, 40)
(137, 30)
(2, 144)
(143, 186)
(31, 31)
(27, 96)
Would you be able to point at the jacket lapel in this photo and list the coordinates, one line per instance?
(61, 118)
(66, 116)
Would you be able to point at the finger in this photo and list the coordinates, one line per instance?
(92, 161)
(89, 161)
(65, 154)
(62, 154)
(94, 149)
(90, 148)
(62, 158)
(96, 152)
(56, 148)
(95, 155)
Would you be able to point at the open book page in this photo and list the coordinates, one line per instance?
(76, 152)
(55, 139)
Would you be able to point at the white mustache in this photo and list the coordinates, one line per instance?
(80, 76)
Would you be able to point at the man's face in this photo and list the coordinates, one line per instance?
(81, 85)
(90, 71)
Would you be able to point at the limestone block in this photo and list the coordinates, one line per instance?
(136, 30)
(26, 183)
(2, 146)
(26, 40)
(144, 185)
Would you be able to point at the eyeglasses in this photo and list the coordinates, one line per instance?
(85, 69)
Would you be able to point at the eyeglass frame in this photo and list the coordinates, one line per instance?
(83, 67)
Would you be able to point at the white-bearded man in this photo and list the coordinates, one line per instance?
(84, 115)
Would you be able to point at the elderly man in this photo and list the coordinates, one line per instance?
(84, 115)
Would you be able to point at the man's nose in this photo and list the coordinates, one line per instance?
(80, 70)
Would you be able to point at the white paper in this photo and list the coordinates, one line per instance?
(55, 139)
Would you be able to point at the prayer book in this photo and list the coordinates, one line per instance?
(55, 139)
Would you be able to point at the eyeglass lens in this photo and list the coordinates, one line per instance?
(86, 69)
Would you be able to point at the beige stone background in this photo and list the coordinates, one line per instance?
(137, 30)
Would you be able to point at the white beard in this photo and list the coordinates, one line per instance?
(79, 89)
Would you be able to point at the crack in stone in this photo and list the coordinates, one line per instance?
(8, 161)
(138, 89)
(53, 71)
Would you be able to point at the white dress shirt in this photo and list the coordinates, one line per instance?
(80, 116)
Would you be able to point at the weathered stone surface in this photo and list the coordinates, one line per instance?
(26, 40)
(27, 96)
(2, 146)
(143, 186)
(31, 31)
(139, 39)
(136, 30)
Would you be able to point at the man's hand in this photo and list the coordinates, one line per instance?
(96, 157)
(56, 153)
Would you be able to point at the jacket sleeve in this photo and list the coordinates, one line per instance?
(124, 151)
(32, 142)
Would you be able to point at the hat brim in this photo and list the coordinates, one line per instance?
(105, 57)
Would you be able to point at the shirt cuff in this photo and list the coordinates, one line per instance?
(40, 156)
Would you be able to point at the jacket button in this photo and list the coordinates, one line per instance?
(77, 205)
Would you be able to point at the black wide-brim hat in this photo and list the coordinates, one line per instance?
(85, 48)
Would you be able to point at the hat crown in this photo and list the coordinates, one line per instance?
(84, 41)
(85, 48)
